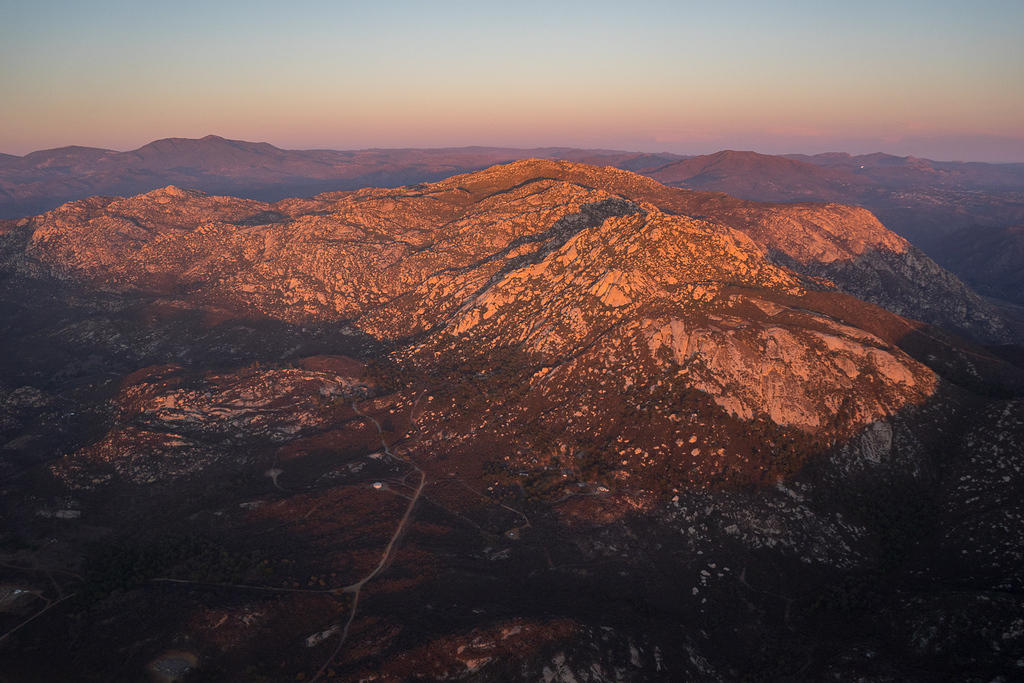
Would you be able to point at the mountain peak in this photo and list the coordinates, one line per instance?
(175, 191)
(172, 149)
(503, 177)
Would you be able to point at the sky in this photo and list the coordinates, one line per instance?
(934, 78)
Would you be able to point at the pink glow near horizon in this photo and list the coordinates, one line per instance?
(933, 79)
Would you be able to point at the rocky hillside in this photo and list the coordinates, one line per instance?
(925, 201)
(543, 421)
(341, 256)
(941, 207)
(850, 248)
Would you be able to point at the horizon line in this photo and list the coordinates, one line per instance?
(612, 150)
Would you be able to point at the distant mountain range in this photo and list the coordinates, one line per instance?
(936, 205)
(42, 180)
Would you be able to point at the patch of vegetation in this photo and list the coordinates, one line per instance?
(125, 564)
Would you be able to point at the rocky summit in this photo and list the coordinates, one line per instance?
(543, 421)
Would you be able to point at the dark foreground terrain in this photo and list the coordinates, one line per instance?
(544, 421)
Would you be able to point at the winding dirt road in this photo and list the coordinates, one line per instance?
(356, 589)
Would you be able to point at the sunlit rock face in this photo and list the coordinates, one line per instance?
(166, 429)
(670, 309)
(344, 255)
(561, 260)
(545, 421)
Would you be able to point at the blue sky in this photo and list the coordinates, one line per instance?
(940, 79)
